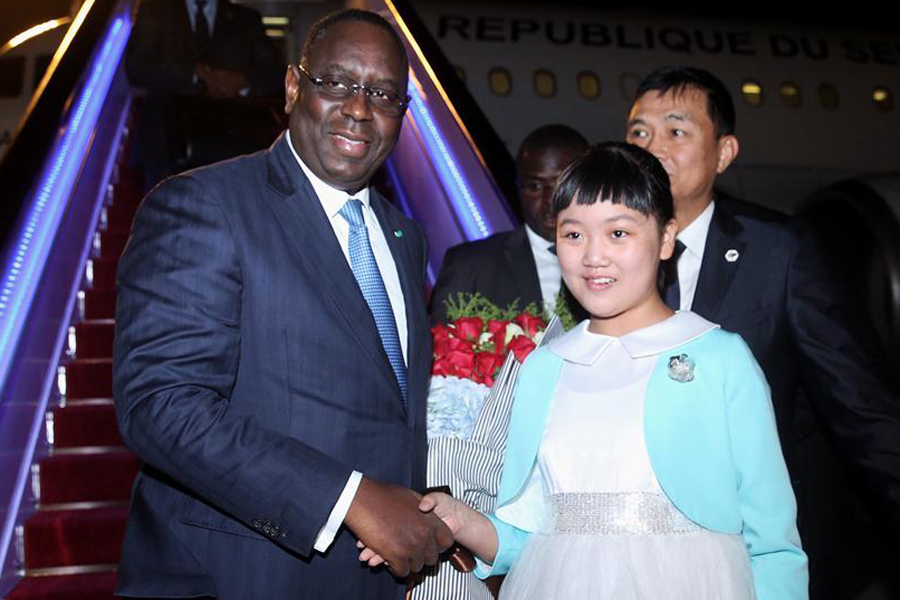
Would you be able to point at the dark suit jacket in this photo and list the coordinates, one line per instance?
(250, 376)
(778, 296)
(162, 51)
(500, 267)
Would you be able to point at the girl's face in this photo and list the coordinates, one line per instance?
(609, 256)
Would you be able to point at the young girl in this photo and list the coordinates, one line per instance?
(643, 460)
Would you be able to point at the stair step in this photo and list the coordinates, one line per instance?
(59, 538)
(101, 273)
(84, 586)
(92, 424)
(97, 304)
(110, 243)
(93, 338)
(88, 477)
(119, 215)
(88, 378)
(129, 189)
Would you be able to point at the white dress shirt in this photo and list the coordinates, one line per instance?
(547, 264)
(209, 11)
(332, 200)
(694, 239)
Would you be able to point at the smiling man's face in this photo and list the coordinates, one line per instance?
(344, 141)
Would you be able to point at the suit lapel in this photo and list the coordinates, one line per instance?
(721, 258)
(300, 213)
(520, 261)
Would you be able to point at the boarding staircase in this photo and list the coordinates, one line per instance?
(70, 546)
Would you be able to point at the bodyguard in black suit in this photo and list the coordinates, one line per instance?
(189, 55)
(271, 377)
(757, 274)
(516, 265)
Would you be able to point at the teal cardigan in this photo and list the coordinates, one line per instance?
(713, 446)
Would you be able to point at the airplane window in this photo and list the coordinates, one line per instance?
(460, 73)
(828, 96)
(544, 83)
(883, 99)
(12, 72)
(790, 94)
(588, 85)
(752, 92)
(500, 81)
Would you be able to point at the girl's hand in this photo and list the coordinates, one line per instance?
(456, 515)
(367, 555)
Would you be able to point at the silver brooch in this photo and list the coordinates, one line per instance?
(681, 368)
(732, 255)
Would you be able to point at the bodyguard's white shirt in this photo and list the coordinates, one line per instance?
(332, 200)
(209, 11)
(694, 239)
(547, 264)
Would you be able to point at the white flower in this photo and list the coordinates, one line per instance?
(512, 330)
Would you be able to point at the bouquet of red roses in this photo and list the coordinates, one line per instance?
(469, 352)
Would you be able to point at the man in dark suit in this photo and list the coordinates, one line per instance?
(518, 264)
(755, 273)
(200, 49)
(272, 352)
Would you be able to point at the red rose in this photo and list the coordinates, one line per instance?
(443, 367)
(463, 361)
(441, 332)
(497, 329)
(521, 346)
(530, 324)
(469, 328)
(488, 363)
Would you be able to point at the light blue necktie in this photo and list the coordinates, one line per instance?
(362, 261)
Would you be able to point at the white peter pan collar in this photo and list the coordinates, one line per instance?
(584, 347)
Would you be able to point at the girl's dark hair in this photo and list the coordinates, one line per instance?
(620, 173)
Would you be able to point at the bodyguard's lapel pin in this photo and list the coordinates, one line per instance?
(398, 233)
(681, 368)
(732, 255)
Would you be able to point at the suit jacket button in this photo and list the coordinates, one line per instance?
(257, 523)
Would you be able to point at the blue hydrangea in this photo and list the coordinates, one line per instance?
(453, 406)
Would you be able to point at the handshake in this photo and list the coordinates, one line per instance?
(403, 530)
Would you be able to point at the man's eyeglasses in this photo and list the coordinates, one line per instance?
(338, 87)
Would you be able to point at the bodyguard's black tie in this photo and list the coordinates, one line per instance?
(671, 289)
(201, 25)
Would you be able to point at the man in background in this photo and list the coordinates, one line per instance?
(192, 56)
(519, 264)
(758, 274)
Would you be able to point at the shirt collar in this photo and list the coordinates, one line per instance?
(694, 235)
(332, 199)
(584, 347)
(538, 244)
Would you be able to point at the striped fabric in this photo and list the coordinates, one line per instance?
(472, 469)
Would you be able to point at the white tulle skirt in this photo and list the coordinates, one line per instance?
(694, 564)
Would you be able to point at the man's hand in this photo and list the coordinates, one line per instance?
(386, 518)
(221, 83)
